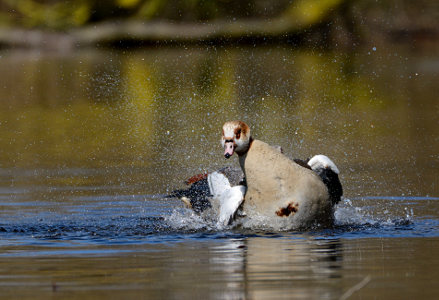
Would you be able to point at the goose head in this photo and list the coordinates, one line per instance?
(235, 138)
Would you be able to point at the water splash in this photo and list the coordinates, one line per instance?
(155, 220)
(374, 211)
(350, 215)
(188, 220)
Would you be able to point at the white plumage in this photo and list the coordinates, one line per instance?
(322, 161)
(229, 198)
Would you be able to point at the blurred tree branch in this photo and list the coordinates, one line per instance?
(90, 22)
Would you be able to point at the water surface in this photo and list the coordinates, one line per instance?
(92, 141)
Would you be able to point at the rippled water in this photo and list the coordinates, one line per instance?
(91, 143)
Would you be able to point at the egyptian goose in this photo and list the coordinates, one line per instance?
(278, 187)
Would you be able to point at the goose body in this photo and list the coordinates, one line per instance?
(278, 187)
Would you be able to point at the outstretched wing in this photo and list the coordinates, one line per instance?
(229, 198)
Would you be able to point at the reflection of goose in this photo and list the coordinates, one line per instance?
(227, 186)
(278, 187)
(276, 263)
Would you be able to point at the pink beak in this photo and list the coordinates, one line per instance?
(229, 149)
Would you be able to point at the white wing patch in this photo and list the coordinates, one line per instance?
(218, 183)
(229, 198)
(322, 161)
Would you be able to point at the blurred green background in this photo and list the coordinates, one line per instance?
(338, 23)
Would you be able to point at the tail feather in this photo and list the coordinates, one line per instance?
(328, 172)
(322, 161)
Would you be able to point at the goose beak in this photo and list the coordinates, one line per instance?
(229, 149)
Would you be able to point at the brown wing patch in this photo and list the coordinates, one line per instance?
(196, 178)
(292, 208)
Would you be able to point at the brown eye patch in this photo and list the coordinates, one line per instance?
(238, 133)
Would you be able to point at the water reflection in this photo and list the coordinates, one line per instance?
(281, 268)
(261, 267)
(245, 268)
(252, 267)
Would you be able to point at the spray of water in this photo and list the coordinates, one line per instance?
(347, 215)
